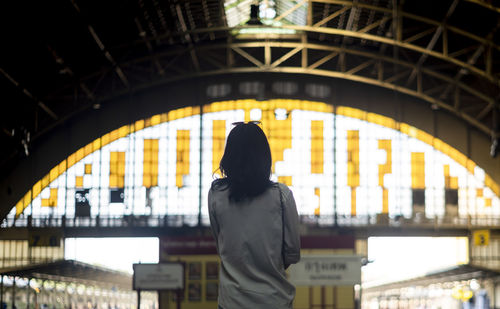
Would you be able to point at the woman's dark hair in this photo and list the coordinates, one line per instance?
(246, 163)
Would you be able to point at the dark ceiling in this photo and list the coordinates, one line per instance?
(62, 57)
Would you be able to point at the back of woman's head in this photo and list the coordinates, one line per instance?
(246, 163)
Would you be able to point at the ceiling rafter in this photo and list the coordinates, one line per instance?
(331, 16)
(404, 14)
(334, 74)
(149, 47)
(27, 93)
(206, 15)
(421, 91)
(67, 70)
(433, 40)
(103, 49)
(389, 41)
(486, 4)
(187, 36)
(333, 52)
(472, 59)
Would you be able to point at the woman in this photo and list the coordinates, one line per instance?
(255, 225)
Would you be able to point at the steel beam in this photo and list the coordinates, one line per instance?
(103, 49)
(375, 38)
(291, 10)
(27, 93)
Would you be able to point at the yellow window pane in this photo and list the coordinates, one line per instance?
(71, 160)
(418, 170)
(156, 119)
(139, 125)
(121, 169)
(123, 131)
(61, 167)
(114, 135)
(88, 169)
(88, 149)
(385, 201)
(182, 161)
(287, 180)
(317, 147)
(178, 180)
(146, 181)
(453, 182)
(487, 202)
(45, 181)
(79, 181)
(53, 193)
(154, 168)
(446, 169)
(147, 168)
(479, 192)
(353, 202)
(113, 181)
(19, 208)
(45, 202)
(113, 168)
(471, 166)
(53, 174)
(121, 182)
(37, 188)
(105, 139)
(79, 154)
(97, 144)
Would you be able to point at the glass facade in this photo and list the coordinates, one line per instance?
(337, 160)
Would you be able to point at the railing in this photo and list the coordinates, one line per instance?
(161, 221)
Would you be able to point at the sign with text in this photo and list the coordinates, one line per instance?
(326, 270)
(163, 276)
(187, 245)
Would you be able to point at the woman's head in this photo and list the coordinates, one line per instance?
(246, 163)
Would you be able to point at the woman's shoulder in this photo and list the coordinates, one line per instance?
(219, 184)
(281, 186)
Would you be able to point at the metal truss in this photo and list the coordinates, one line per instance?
(323, 60)
(376, 43)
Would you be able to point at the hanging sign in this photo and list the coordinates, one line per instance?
(326, 270)
(481, 237)
(163, 276)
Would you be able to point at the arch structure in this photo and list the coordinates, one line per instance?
(441, 52)
(342, 163)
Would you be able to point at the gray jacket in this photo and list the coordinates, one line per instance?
(249, 238)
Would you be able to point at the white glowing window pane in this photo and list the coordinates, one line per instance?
(255, 114)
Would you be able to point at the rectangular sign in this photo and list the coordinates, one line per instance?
(187, 245)
(326, 270)
(163, 276)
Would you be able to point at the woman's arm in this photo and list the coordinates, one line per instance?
(213, 220)
(291, 237)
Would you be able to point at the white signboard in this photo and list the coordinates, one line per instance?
(164, 276)
(326, 270)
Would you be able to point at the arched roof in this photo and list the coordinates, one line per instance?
(63, 58)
